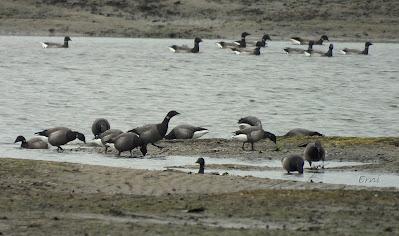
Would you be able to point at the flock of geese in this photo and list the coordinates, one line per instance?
(252, 48)
(250, 131)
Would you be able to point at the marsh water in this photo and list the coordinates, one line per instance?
(132, 82)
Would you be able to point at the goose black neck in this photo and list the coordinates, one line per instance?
(164, 126)
(24, 144)
(329, 53)
(201, 169)
(195, 48)
(65, 44)
(366, 50)
(243, 44)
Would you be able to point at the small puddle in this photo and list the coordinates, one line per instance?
(258, 168)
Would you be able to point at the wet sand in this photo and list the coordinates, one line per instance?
(42, 198)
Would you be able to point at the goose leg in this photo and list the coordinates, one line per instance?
(243, 146)
(160, 147)
(252, 145)
(106, 149)
(59, 149)
(131, 154)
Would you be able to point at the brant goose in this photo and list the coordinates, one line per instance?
(302, 41)
(313, 52)
(154, 132)
(33, 143)
(57, 45)
(186, 132)
(201, 162)
(127, 142)
(109, 137)
(293, 163)
(314, 152)
(99, 126)
(240, 43)
(185, 48)
(289, 50)
(249, 51)
(249, 121)
(302, 132)
(251, 135)
(357, 51)
(64, 136)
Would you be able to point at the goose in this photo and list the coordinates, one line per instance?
(185, 48)
(33, 143)
(64, 136)
(357, 51)
(302, 132)
(154, 132)
(263, 42)
(251, 135)
(241, 43)
(201, 170)
(289, 50)
(313, 52)
(293, 163)
(47, 132)
(186, 132)
(127, 142)
(249, 121)
(302, 41)
(249, 51)
(57, 45)
(109, 136)
(99, 126)
(314, 152)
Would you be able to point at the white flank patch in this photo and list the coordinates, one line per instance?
(296, 42)
(200, 133)
(237, 43)
(237, 52)
(342, 52)
(219, 45)
(240, 137)
(307, 54)
(242, 126)
(44, 45)
(172, 49)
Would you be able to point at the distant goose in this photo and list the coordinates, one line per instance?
(154, 132)
(57, 45)
(33, 143)
(302, 132)
(289, 50)
(185, 48)
(251, 135)
(314, 152)
(109, 136)
(357, 51)
(302, 41)
(293, 163)
(127, 142)
(241, 43)
(262, 43)
(313, 52)
(64, 136)
(99, 126)
(201, 170)
(249, 121)
(249, 51)
(186, 132)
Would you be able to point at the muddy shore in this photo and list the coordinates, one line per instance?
(356, 20)
(42, 198)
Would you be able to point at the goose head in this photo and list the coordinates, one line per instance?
(266, 37)
(197, 40)
(244, 34)
(67, 38)
(80, 136)
(20, 138)
(368, 44)
(270, 136)
(172, 114)
(324, 37)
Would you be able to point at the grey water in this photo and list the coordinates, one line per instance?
(132, 82)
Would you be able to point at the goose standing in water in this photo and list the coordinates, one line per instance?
(313, 52)
(248, 51)
(99, 126)
(57, 45)
(154, 132)
(302, 41)
(314, 152)
(357, 51)
(186, 132)
(252, 135)
(249, 121)
(64, 136)
(185, 48)
(33, 143)
(127, 142)
(293, 163)
(289, 50)
(240, 43)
